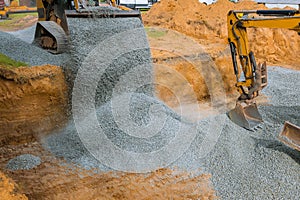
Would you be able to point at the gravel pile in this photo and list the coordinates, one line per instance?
(243, 164)
(27, 34)
(103, 9)
(68, 144)
(23, 162)
(255, 165)
(20, 50)
(118, 48)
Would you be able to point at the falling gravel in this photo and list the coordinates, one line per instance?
(95, 47)
(23, 162)
(68, 143)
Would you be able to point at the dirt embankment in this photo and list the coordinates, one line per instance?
(32, 101)
(183, 68)
(208, 25)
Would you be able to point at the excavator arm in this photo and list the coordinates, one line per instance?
(250, 77)
(238, 23)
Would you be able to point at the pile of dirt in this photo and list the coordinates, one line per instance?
(32, 101)
(183, 68)
(194, 18)
(8, 189)
(208, 24)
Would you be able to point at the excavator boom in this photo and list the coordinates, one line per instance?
(251, 78)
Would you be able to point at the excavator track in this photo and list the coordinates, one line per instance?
(50, 36)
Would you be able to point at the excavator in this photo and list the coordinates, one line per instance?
(12, 8)
(251, 77)
(52, 31)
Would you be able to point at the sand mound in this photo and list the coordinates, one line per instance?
(183, 68)
(208, 23)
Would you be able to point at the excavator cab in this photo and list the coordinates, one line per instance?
(250, 77)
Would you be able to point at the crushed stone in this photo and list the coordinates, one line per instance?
(246, 164)
(23, 162)
(243, 164)
(27, 34)
(20, 50)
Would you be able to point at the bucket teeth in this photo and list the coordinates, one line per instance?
(290, 135)
(245, 115)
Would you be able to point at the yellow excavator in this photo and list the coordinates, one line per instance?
(251, 77)
(12, 8)
(52, 26)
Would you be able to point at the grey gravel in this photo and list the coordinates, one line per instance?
(255, 165)
(67, 143)
(23, 162)
(243, 164)
(26, 35)
(84, 39)
(20, 50)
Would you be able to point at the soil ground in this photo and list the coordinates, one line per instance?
(32, 100)
(57, 179)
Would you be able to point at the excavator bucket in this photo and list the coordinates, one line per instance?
(290, 135)
(245, 115)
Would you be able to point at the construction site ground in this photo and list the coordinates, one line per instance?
(42, 156)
